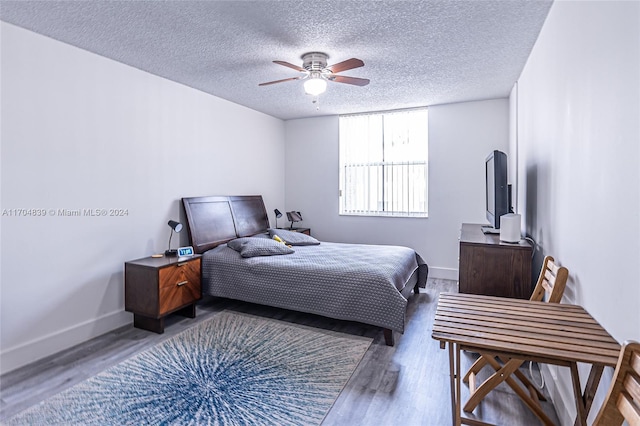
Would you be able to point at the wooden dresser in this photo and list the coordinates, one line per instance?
(491, 267)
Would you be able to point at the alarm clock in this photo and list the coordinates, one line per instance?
(185, 251)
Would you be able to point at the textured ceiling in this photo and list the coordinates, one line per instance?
(416, 53)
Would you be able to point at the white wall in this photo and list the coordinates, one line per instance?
(460, 137)
(578, 109)
(83, 132)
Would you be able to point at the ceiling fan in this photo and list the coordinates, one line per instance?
(316, 72)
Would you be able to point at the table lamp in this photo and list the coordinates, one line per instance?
(177, 227)
(278, 216)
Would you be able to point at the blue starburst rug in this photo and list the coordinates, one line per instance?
(234, 369)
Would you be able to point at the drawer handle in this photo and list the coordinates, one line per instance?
(181, 283)
(181, 264)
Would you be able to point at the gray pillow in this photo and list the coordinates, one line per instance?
(252, 247)
(264, 234)
(294, 238)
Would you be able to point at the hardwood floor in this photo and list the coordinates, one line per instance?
(406, 384)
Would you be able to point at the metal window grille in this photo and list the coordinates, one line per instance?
(384, 164)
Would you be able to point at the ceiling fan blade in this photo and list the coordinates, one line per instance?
(287, 64)
(349, 80)
(346, 65)
(279, 81)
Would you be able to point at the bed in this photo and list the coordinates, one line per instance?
(355, 282)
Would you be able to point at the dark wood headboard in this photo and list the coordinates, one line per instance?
(216, 220)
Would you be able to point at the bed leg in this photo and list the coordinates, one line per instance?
(388, 336)
(416, 289)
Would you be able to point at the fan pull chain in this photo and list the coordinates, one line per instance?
(316, 102)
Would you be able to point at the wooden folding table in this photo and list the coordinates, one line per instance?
(549, 333)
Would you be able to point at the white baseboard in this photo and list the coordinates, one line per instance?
(443, 273)
(28, 352)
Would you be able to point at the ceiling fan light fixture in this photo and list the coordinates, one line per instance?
(316, 73)
(315, 85)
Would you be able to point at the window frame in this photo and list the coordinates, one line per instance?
(384, 200)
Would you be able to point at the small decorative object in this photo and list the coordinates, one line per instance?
(510, 228)
(278, 216)
(177, 227)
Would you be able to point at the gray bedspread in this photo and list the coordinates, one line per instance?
(343, 281)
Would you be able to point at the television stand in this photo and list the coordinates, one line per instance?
(491, 267)
(488, 229)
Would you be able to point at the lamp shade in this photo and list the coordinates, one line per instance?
(176, 226)
(278, 213)
(315, 85)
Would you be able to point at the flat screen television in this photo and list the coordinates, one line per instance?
(497, 194)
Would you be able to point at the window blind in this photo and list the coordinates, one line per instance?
(384, 164)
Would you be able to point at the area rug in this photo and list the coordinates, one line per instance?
(234, 369)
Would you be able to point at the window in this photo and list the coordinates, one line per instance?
(383, 164)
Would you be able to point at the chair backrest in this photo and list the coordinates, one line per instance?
(553, 278)
(623, 400)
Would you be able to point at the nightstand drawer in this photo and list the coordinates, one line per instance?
(180, 272)
(179, 294)
(179, 285)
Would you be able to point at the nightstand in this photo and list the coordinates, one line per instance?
(301, 230)
(156, 287)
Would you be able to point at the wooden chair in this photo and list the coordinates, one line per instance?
(553, 280)
(623, 399)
